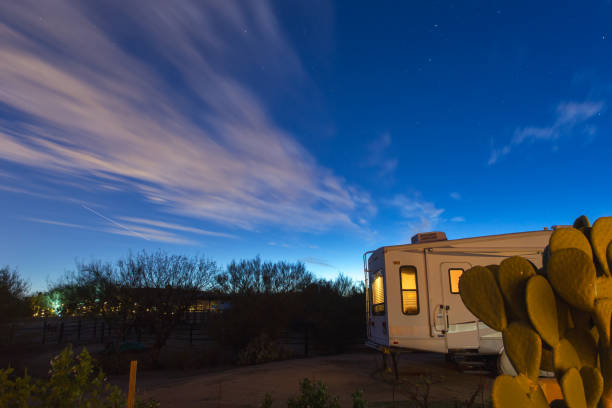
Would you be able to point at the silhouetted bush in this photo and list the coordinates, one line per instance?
(261, 349)
(334, 313)
(313, 394)
(331, 311)
(74, 381)
(13, 290)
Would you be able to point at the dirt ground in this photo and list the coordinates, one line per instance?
(246, 386)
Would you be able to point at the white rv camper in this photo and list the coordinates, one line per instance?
(412, 291)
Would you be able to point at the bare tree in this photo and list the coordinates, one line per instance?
(253, 276)
(143, 290)
(157, 289)
(345, 286)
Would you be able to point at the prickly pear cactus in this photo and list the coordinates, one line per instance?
(554, 319)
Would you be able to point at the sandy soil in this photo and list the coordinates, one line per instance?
(246, 386)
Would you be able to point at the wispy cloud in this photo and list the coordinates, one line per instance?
(317, 261)
(380, 158)
(458, 219)
(568, 116)
(136, 231)
(58, 223)
(152, 234)
(115, 223)
(37, 194)
(176, 227)
(187, 133)
(421, 215)
(455, 196)
(281, 244)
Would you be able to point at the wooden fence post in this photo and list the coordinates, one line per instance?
(95, 328)
(132, 386)
(191, 334)
(102, 333)
(60, 336)
(44, 331)
(79, 330)
(11, 334)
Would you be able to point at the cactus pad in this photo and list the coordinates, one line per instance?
(493, 268)
(542, 309)
(609, 254)
(585, 346)
(513, 275)
(565, 316)
(524, 348)
(481, 295)
(519, 391)
(603, 287)
(602, 315)
(565, 357)
(593, 385)
(538, 397)
(601, 236)
(510, 392)
(570, 238)
(572, 274)
(582, 222)
(573, 389)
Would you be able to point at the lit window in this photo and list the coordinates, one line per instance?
(378, 295)
(410, 290)
(454, 274)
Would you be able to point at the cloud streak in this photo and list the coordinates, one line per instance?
(317, 261)
(568, 116)
(188, 133)
(131, 230)
(422, 215)
(177, 227)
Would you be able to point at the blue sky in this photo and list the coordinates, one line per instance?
(299, 130)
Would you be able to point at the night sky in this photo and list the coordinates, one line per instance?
(295, 130)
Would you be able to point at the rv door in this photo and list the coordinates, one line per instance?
(462, 326)
(378, 308)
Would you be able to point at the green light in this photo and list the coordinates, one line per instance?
(56, 304)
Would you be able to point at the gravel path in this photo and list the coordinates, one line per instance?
(246, 386)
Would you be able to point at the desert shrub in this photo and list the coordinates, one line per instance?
(260, 350)
(148, 403)
(267, 401)
(313, 394)
(74, 381)
(331, 311)
(263, 297)
(334, 314)
(248, 317)
(358, 400)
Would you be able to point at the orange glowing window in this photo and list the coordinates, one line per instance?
(410, 290)
(454, 274)
(378, 295)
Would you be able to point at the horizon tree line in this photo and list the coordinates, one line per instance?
(153, 291)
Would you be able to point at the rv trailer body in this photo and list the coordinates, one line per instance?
(412, 291)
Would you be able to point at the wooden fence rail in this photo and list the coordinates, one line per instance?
(98, 331)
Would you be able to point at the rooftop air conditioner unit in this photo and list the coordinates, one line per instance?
(428, 237)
